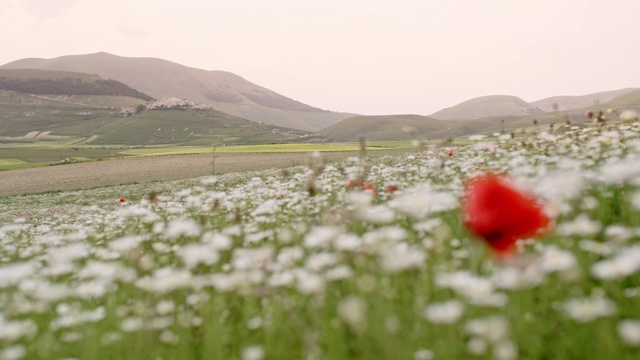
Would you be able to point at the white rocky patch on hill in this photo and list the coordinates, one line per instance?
(176, 103)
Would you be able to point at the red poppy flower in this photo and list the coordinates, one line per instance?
(372, 188)
(501, 214)
(450, 152)
(353, 184)
(391, 188)
(122, 200)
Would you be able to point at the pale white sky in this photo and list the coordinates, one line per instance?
(361, 56)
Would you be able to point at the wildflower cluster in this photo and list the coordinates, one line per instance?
(256, 265)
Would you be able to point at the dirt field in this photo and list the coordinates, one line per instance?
(147, 169)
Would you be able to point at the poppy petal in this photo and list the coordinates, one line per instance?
(501, 214)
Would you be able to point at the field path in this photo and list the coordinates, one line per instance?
(146, 169)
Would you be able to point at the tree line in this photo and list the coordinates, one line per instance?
(71, 86)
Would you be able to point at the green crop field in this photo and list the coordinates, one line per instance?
(373, 257)
(26, 155)
(43, 153)
(9, 162)
(266, 148)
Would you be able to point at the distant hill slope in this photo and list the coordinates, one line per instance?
(506, 105)
(630, 100)
(405, 127)
(577, 102)
(383, 127)
(49, 82)
(390, 127)
(219, 89)
(23, 117)
(486, 106)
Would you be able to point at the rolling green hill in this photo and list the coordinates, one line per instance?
(504, 105)
(628, 101)
(578, 102)
(487, 106)
(27, 118)
(221, 90)
(193, 128)
(405, 127)
(390, 127)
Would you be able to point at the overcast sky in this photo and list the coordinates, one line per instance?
(362, 56)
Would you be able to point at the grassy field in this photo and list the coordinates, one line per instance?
(145, 169)
(27, 154)
(266, 148)
(296, 263)
(10, 162)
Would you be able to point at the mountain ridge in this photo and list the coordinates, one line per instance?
(486, 106)
(219, 89)
(405, 127)
(569, 102)
(509, 105)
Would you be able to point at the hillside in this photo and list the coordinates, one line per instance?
(49, 82)
(506, 106)
(404, 127)
(25, 117)
(487, 106)
(577, 102)
(628, 101)
(221, 90)
(389, 127)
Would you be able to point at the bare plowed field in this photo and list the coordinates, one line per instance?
(145, 169)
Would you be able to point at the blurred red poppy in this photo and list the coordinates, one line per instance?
(353, 185)
(372, 188)
(392, 188)
(450, 152)
(501, 214)
(122, 200)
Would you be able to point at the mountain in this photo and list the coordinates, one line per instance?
(221, 90)
(577, 102)
(487, 106)
(49, 82)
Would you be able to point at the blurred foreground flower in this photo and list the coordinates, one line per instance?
(360, 184)
(501, 214)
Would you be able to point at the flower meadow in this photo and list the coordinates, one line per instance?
(369, 258)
